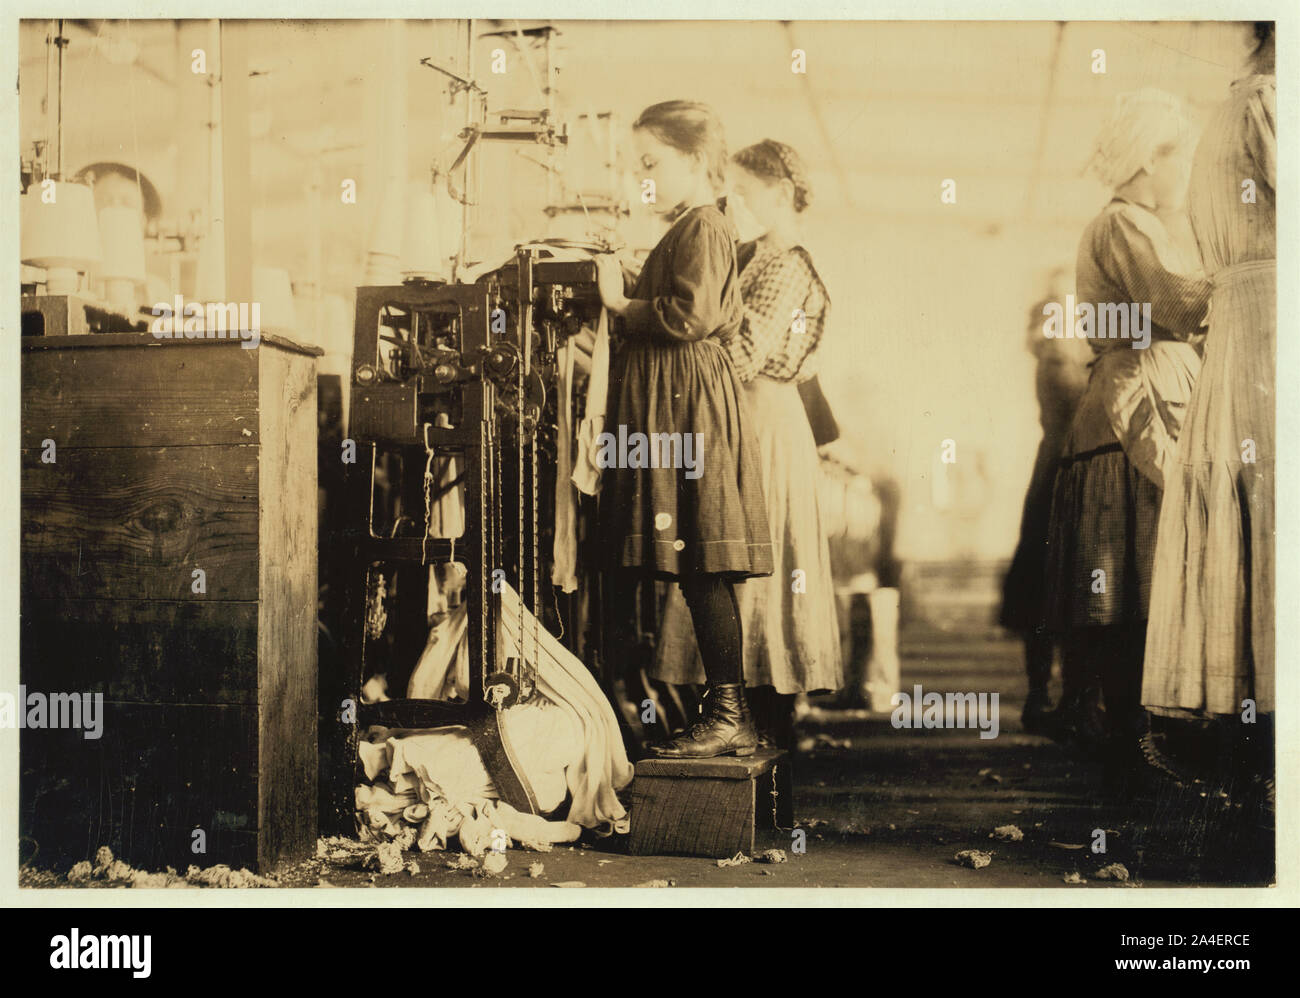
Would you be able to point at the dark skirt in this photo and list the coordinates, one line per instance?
(1104, 518)
(1024, 603)
(674, 521)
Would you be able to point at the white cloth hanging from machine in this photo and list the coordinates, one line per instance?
(442, 673)
(587, 473)
(446, 515)
(564, 549)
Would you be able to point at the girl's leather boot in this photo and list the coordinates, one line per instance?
(726, 729)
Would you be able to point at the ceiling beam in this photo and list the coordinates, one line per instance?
(1035, 175)
(815, 111)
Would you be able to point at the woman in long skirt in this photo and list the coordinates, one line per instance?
(1106, 498)
(1210, 650)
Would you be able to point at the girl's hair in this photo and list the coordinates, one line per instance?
(692, 128)
(775, 161)
(1141, 124)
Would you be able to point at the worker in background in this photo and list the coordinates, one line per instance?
(1060, 376)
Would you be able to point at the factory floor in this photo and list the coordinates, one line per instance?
(889, 808)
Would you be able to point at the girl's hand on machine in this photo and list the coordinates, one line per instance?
(631, 265)
(609, 282)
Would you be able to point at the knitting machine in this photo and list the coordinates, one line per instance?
(439, 584)
(452, 386)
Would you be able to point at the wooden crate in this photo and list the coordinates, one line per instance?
(707, 807)
(171, 456)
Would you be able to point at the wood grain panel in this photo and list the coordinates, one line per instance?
(157, 773)
(152, 394)
(138, 651)
(287, 633)
(691, 817)
(134, 524)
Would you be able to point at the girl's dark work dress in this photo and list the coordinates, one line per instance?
(672, 375)
(791, 632)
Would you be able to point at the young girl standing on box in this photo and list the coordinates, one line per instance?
(703, 524)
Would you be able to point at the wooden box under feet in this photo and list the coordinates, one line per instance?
(708, 807)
